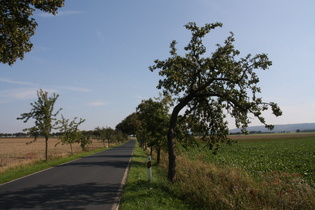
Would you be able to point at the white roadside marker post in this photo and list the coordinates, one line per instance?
(149, 169)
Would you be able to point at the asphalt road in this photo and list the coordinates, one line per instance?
(93, 182)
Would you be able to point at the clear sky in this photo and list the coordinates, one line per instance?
(96, 54)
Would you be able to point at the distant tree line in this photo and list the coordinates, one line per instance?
(93, 133)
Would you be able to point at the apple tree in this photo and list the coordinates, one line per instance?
(208, 87)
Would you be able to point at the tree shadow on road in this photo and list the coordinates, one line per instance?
(114, 164)
(82, 196)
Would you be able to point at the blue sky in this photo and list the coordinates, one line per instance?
(96, 54)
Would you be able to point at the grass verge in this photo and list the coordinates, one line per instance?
(139, 193)
(209, 186)
(24, 170)
(204, 185)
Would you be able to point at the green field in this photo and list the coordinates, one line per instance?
(260, 171)
(259, 154)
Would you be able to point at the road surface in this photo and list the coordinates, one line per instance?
(93, 182)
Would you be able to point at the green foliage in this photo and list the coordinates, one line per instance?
(84, 141)
(70, 132)
(209, 87)
(42, 113)
(17, 27)
(129, 125)
(154, 119)
(109, 134)
(119, 136)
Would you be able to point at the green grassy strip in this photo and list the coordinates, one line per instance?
(291, 155)
(204, 185)
(20, 171)
(139, 193)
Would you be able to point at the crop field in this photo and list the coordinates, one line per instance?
(292, 154)
(16, 151)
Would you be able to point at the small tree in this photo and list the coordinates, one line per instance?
(105, 134)
(42, 113)
(154, 119)
(70, 131)
(17, 27)
(109, 134)
(84, 141)
(100, 134)
(208, 88)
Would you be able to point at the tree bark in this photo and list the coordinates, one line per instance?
(171, 156)
(171, 144)
(171, 134)
(46, 148)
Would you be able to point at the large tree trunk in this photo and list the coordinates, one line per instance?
(171, 156)
(171, 138)
(171, 144)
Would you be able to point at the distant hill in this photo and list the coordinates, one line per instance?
(303, 127)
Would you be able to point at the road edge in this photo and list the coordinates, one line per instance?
(122, 184)
(46, 169)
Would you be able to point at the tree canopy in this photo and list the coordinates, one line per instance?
(206, 89)
(129, 125)
(17, 27)
(43, 113)
(70, 132)
(108, 134)
(154, 118)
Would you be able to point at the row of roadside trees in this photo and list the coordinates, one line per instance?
(46, 121)
(199, 92)
(203, 89)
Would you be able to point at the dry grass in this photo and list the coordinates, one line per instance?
(209, 186)
(15, 151)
